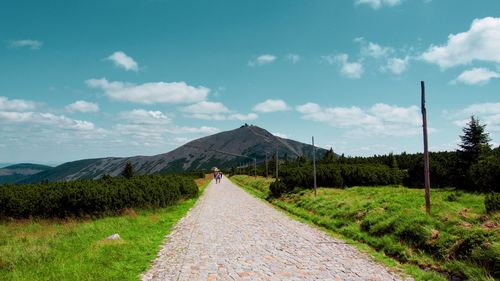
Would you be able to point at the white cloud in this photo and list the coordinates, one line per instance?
(262, 60)
(60, 121)
(32, 44)
(483, 108)
(243, 117)
(396, 65)
(353, 70)
(207, 110)
(121, 60)
(16, 105)
(150, 93)
(380, 119)
(375, 50)
(488, 113)
(280, 135)
(377, 4)
(206, 107)
(145, 117)
(83, 106)
(293, 58)
(308, 108)
(194, 130)
(480, 43)
(271, 105)
(476, 76)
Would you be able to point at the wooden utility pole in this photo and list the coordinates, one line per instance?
(255, 167)
(314, 166)
(267, 169)
(427, 179)
(277, 163)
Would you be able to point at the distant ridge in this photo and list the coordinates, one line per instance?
(199, 154)
(18, 172)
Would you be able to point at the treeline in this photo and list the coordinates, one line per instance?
(94, 198)
(474, 167)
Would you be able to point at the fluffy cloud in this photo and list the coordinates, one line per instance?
(243, 117)
(59, 121)
(150, 93)
(262, 60)
(480, 43)
(380, 119)
(83, 106)
(293, 58)
(375, 50)
(396, 65)
(377, 4)
(476, 76)
(207, 110)
(28, 43)
(121, 60)
(206, 107)
(280, 135)
(489, 113)
(353, 70)
(145, 117)
(271, 105)
(16, 105)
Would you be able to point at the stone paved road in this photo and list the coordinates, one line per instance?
(230, 235)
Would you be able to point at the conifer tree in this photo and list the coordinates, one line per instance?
(475, 140)
(128, 171)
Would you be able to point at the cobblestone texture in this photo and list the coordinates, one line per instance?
(230, 235)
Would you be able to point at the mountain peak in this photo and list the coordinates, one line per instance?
(224, 149)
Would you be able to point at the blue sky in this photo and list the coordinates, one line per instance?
(83, 79)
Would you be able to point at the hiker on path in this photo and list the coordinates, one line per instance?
(218, 176)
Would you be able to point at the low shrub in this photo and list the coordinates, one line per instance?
(492, 202)
(277, 189)
(93, 197)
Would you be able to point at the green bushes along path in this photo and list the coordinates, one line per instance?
(82, 198)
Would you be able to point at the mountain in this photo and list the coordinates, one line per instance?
(220, 150)
(18, 172)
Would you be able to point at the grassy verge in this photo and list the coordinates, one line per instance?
(75, 249)
(459, 239)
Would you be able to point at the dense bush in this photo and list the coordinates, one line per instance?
(484, 176)
(277, 188)
(334, 175)
(93, 197)
(492, 202)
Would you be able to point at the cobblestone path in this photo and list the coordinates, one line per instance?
(230, 235)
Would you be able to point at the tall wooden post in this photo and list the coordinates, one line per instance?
(427, 179)
(267, 169)
(255, 167)
(277, 163)
(314, 166)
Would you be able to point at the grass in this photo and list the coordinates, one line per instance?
(458, 239)
(76, 249)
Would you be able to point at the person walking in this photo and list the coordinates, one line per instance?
(218, 176)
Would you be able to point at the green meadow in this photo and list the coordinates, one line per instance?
(458, 239)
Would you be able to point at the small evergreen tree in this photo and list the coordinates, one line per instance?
(475, 141)
(329, 156)
(128, 171)
(393, 163)
(285, 157)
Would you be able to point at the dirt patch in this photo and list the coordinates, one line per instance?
(490, 225)
(129, 212)
(153, 218)
(434, 234)
(465, 225)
